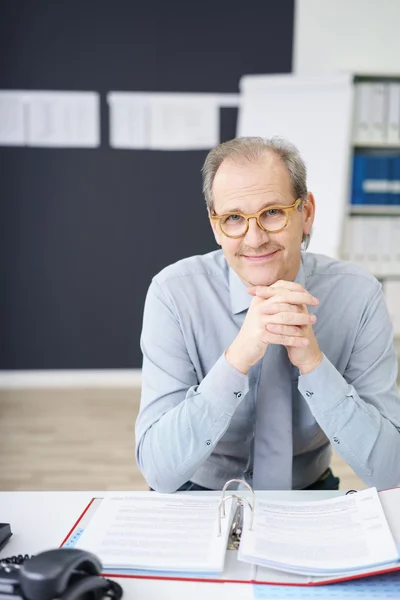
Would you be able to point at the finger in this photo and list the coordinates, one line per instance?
(290, 285)
(291, 318)
(287, 296)
(285, 340)
(288, 330)
(271, 308)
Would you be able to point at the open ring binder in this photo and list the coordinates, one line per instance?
(237, 523)
(277, 555)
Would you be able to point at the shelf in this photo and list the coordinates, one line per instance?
(376, 146)
(366, 76)
(374, 209)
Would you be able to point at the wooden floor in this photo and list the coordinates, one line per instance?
(79, 439)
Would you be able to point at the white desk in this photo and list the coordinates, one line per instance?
(41, 520)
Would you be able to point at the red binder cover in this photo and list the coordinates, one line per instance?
(236, 571)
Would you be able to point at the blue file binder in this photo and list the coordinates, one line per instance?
(357, 193)
(373, 179)
(395, 180)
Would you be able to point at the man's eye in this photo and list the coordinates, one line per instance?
(275, 212)
(234, 217)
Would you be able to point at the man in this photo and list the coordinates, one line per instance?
(259, 356)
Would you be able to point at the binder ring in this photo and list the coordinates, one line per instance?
(239, 501)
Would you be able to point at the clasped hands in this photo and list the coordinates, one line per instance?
(277, 314)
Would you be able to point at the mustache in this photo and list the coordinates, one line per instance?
(260, 251)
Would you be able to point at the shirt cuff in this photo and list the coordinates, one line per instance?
(324, 387)
(224, 386)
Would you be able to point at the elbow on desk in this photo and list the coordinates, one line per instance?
(386, 483)
(381, 483)
(164, 488)
(383, 478)
(159, 478)
(161, 482)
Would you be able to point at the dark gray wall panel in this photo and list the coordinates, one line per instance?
(83, 231)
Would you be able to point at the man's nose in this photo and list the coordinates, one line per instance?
(255, 236)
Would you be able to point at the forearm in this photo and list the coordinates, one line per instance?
(171, 450)
(367, 440)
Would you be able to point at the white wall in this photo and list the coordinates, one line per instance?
(350, 35)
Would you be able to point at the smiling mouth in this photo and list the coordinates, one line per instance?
(260, 257)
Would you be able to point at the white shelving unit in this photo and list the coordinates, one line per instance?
(374, 209)
(371, 232)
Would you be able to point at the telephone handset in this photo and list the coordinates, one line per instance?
(62, 574)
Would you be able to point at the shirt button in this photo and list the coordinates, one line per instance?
(238, 395)
(309, 394)
(336, 440)
(208, 442)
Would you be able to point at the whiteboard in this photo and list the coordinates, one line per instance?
(315, 114)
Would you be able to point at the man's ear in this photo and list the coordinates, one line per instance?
(308, 210)
(215, 228)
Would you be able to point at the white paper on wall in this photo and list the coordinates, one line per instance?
(166, 121)
(129, 120)
(184, 122)
(12, 123)
(63, 119)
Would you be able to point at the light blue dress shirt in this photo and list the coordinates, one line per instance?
(197, 412)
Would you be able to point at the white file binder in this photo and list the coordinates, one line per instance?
(393, 114)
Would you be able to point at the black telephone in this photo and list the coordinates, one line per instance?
(62, 574)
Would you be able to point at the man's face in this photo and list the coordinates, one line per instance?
(260, 258)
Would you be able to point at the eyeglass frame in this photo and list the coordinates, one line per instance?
(286, 209)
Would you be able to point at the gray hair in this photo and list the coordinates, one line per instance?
(252, 149)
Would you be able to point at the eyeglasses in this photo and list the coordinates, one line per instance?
(272, 220)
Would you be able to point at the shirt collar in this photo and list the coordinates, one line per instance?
(241, 299)
(301, 274)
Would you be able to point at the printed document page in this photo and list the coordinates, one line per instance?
(158, 532)
(322, 537)
(12, 123)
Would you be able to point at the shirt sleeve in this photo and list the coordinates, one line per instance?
(180, 419)
(360, 411)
